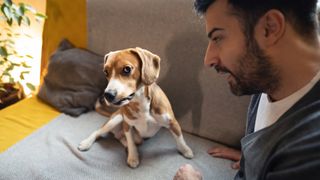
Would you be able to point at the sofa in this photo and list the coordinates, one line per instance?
(210, 116)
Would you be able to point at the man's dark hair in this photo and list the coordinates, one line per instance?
(301, 14)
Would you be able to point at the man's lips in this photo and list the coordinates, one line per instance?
(223, 71)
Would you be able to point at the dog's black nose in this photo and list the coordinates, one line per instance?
(110, 95)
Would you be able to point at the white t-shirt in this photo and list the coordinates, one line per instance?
(269, 112)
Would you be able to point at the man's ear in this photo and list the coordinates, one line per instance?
(271, 27)
(150, 68)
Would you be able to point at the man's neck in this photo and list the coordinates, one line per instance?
(297, 69)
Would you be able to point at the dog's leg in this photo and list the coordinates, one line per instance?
(124, 142)
(175, 130)
(138, 140)
(113, 122)
(133, 156)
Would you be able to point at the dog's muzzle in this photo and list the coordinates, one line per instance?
(110, 96)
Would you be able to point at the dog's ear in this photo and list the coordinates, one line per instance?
(106, 58)
(150, 65)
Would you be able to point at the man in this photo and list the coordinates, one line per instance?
(269, 49)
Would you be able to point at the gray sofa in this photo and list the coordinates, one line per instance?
(207, 111)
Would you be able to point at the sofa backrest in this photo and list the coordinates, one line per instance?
(201, 100)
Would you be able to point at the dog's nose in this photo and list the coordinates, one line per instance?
(110, 95)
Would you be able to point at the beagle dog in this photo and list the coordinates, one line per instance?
(142, 107)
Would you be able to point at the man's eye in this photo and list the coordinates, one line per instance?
(216, 39)
(126, 70)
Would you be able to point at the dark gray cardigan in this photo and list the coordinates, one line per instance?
(288, 149)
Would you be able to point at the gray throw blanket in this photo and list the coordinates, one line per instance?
(51, 153)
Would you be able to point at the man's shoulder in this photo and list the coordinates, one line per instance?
(296, 154)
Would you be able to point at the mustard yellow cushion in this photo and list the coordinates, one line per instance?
(21, 119)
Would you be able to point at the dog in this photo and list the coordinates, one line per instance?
(142, 107)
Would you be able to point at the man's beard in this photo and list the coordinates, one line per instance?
(255, 73)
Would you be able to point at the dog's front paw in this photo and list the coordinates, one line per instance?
(85, 145)
(187, 153)
(133, 162)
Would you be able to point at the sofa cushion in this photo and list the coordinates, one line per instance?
(201, 100)
(74, 80)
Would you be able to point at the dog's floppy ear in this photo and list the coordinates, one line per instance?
(109, 54)
(150, 65)
(106, 57)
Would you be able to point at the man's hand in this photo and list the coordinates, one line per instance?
(227, 153)
(187, 172)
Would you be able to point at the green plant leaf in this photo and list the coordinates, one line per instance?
(15, 64)
(11, 80)
(6, 74)
(5, 58)
(8, 2)
(9, 21)
(23, 73)
(3, 51)
(41, 16)
(10, 68)
(30, 8)
(26, 20)
(31, 86)
(21, 10)
(6, 11)
(21, 76)
(2, 9)
(19, 20)
(25, 65)
(27, 35)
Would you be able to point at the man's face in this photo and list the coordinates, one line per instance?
(248, 69)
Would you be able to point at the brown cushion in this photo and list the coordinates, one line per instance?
(74, 81)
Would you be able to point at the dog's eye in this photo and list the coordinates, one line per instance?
(126, 70)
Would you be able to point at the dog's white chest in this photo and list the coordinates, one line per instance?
(138, 115)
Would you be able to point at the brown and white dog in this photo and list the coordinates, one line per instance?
(143, 106)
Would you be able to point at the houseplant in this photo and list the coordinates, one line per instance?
(14, 15)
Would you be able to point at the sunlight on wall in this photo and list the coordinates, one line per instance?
(31, 44)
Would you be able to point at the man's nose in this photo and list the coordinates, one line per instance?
(110, 95)
(211, 57)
